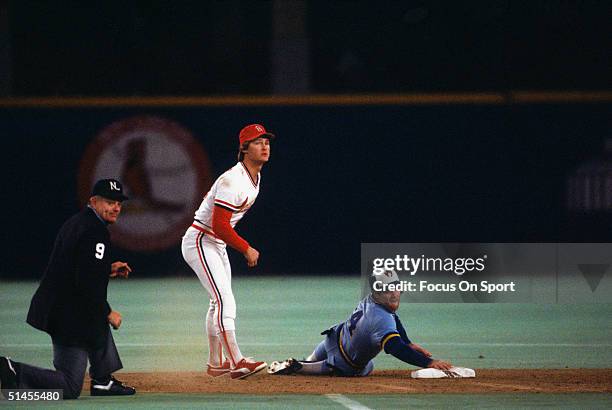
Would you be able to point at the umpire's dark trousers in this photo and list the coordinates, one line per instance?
(70, 364)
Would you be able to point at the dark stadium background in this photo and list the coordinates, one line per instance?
(341, 173)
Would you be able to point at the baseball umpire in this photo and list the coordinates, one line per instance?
(70, 304)
(349, 347)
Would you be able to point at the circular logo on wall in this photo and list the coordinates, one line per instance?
(164, 171)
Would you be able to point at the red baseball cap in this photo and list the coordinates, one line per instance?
(253, 131)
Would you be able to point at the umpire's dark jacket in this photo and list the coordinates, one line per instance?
(70, 303)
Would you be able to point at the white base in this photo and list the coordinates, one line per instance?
(453, 373)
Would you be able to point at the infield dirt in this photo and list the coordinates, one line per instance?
(380, 382)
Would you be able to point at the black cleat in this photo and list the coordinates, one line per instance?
(112, 387)
(289, 366)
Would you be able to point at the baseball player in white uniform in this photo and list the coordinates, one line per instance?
(204, 249)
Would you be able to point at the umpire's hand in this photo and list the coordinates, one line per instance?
(120, 269)
(114, 318)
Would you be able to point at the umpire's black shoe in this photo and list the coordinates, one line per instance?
(111, 387)
(8, 373)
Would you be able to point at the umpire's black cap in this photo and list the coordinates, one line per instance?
(110, 189)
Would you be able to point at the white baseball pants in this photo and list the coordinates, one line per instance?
(208, 259)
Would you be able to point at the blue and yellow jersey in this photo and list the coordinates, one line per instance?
(366, 332)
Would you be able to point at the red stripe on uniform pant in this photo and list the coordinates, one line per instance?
(229, 351)
(216, 292)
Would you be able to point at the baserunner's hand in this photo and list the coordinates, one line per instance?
(440, 365)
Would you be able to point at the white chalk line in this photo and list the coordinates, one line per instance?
(346, 402)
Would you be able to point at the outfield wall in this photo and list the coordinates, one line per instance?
(481, 168)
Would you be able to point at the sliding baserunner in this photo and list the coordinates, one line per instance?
(350, 346)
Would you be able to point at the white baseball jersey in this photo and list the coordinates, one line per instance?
(234, 190)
